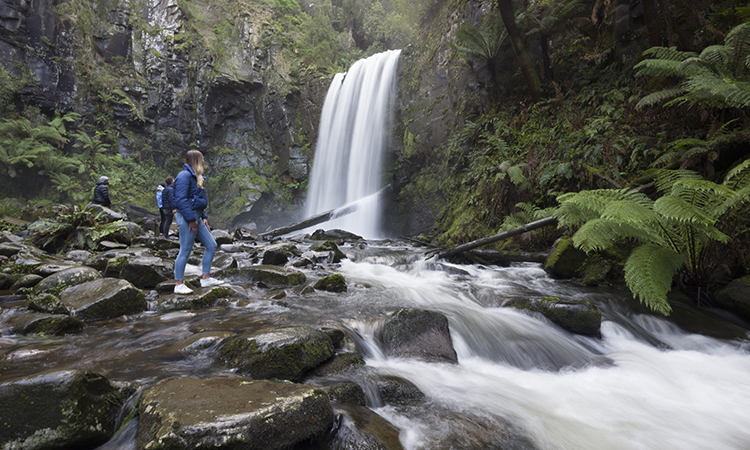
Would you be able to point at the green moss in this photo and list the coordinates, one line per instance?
(332, 283)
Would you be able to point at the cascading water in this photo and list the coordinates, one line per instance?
(354, 131)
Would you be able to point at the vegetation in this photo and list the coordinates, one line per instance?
(74, 227)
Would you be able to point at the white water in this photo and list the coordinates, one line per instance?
(562, 391)
(355, 125)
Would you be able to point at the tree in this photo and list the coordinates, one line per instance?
(673, 233)
(524, 60)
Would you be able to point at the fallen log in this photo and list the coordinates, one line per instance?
(551, 220)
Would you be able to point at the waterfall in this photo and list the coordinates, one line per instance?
(355, 126)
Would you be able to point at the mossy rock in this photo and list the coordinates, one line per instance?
(203, 341)
(340, 363)
(565, 260)
(200, 298)
(287, 353)
(363, 429)
(347, 392)
(27, 281)
(735, 297)
(44, 324)
(580, 317)
(330, 246)
(416, 333)
(47, 303)
(331, 283)
(60, 409)
(114, 266)
(185, 413)
(101, 299)
(57, 282)
(398, 391)
(273, 276)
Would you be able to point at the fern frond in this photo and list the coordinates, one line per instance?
(600, 234)
(516, 174)
(578, 207)
(668, 53)
(677, 209)
(659, 97)
(659, 68)
(701, 193)
(665, 178)
(717, 55)
(648, 273)
(739, 176)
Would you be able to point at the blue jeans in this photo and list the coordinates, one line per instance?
(186, 246)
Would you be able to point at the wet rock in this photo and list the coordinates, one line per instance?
(9, 249)
(26, 281)
(45, 324)
(362, 429)
(337, 335)
(565, 259)
(735, 297)
(59, 281)
(440, 267)
(275, 257)
(78, 255)
(580, 317)
(200, 298)
(331, 283)
(286, 353)
(270, 275)
(48, 269)
(474, 432)
(222, 237)
(47, 303)
(110, 214)
(398, 391)
(111, 245)
(335, 255)
(147, 271)
(7, 280)
(202, 341)
(414, 333)
(245, 234)
(335, 235)
(222, 262)
(60, 409)
(105, 298)
(348, 392)
(231, 412)
(340, 363)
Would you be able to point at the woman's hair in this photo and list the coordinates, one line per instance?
(194, 159)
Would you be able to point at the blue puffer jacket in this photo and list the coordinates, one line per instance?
(167, 197)
(188, 197)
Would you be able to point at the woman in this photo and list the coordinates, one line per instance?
(191, 201)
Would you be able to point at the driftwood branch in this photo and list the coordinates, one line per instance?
(551, 220)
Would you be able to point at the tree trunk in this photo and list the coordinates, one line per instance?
(551, 220)
(652, 22)
(524, 60)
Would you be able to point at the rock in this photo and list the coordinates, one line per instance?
(286, 353)
(347, 392)
(331, 283)
(340, 235)
(338, 364)
(8, 249)
(78, 255)
(398, 391)
(335, 256)
(46, 270)
(200, 298)
(735, 297)
(27, 281)
(47, 303)
(147, 271)
(270, 275)
(222, 237)
(275, 257)
(44, 324)
(245, 234)
(202, 341)
(7, 280)
(105, 298)
(362, 429)
(580, 317)
(414, 333)
(222, 262)
(59, 281)
(565, 259)
(60, 409)
(231, 412)
(110, 214)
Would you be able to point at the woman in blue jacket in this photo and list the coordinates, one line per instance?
(190, 201)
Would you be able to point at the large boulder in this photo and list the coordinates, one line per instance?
(45, 324)
(59, 281)
(735, 297)
(61, 409)
(415, 333)
(231, 413)
(270, 275)
(147, 271)
(334, 254)
(331, 283)
(362, 429)
(565, 259)
(101, 299)
(200, 298)
(286, 353)
(334, 235)
(576, 316)
(222, 237)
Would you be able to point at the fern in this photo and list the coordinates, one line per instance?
(648, 273)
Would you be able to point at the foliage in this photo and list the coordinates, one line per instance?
(75, 227)
(719, 76)
(485, 40)
(673, 233)
(24, 144)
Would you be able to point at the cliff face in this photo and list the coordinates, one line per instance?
(167, 76)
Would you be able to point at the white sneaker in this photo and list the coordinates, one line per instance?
(182, 289)
(210, 281)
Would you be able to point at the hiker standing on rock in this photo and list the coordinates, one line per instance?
(101, 192)
(191, 201)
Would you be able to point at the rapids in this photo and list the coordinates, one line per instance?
(521, 381)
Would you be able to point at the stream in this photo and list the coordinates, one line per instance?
(521, 380)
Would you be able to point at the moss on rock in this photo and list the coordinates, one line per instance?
(331, 283)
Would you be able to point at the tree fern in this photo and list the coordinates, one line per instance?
(648, 273)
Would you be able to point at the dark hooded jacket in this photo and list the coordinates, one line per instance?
(167, 197)
(190, 200)
(101, 194)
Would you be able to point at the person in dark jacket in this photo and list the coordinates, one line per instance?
(167, 207)
(101, 192)
(190, 201)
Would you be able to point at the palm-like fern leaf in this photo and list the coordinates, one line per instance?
(648, 273)
(599, 234)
